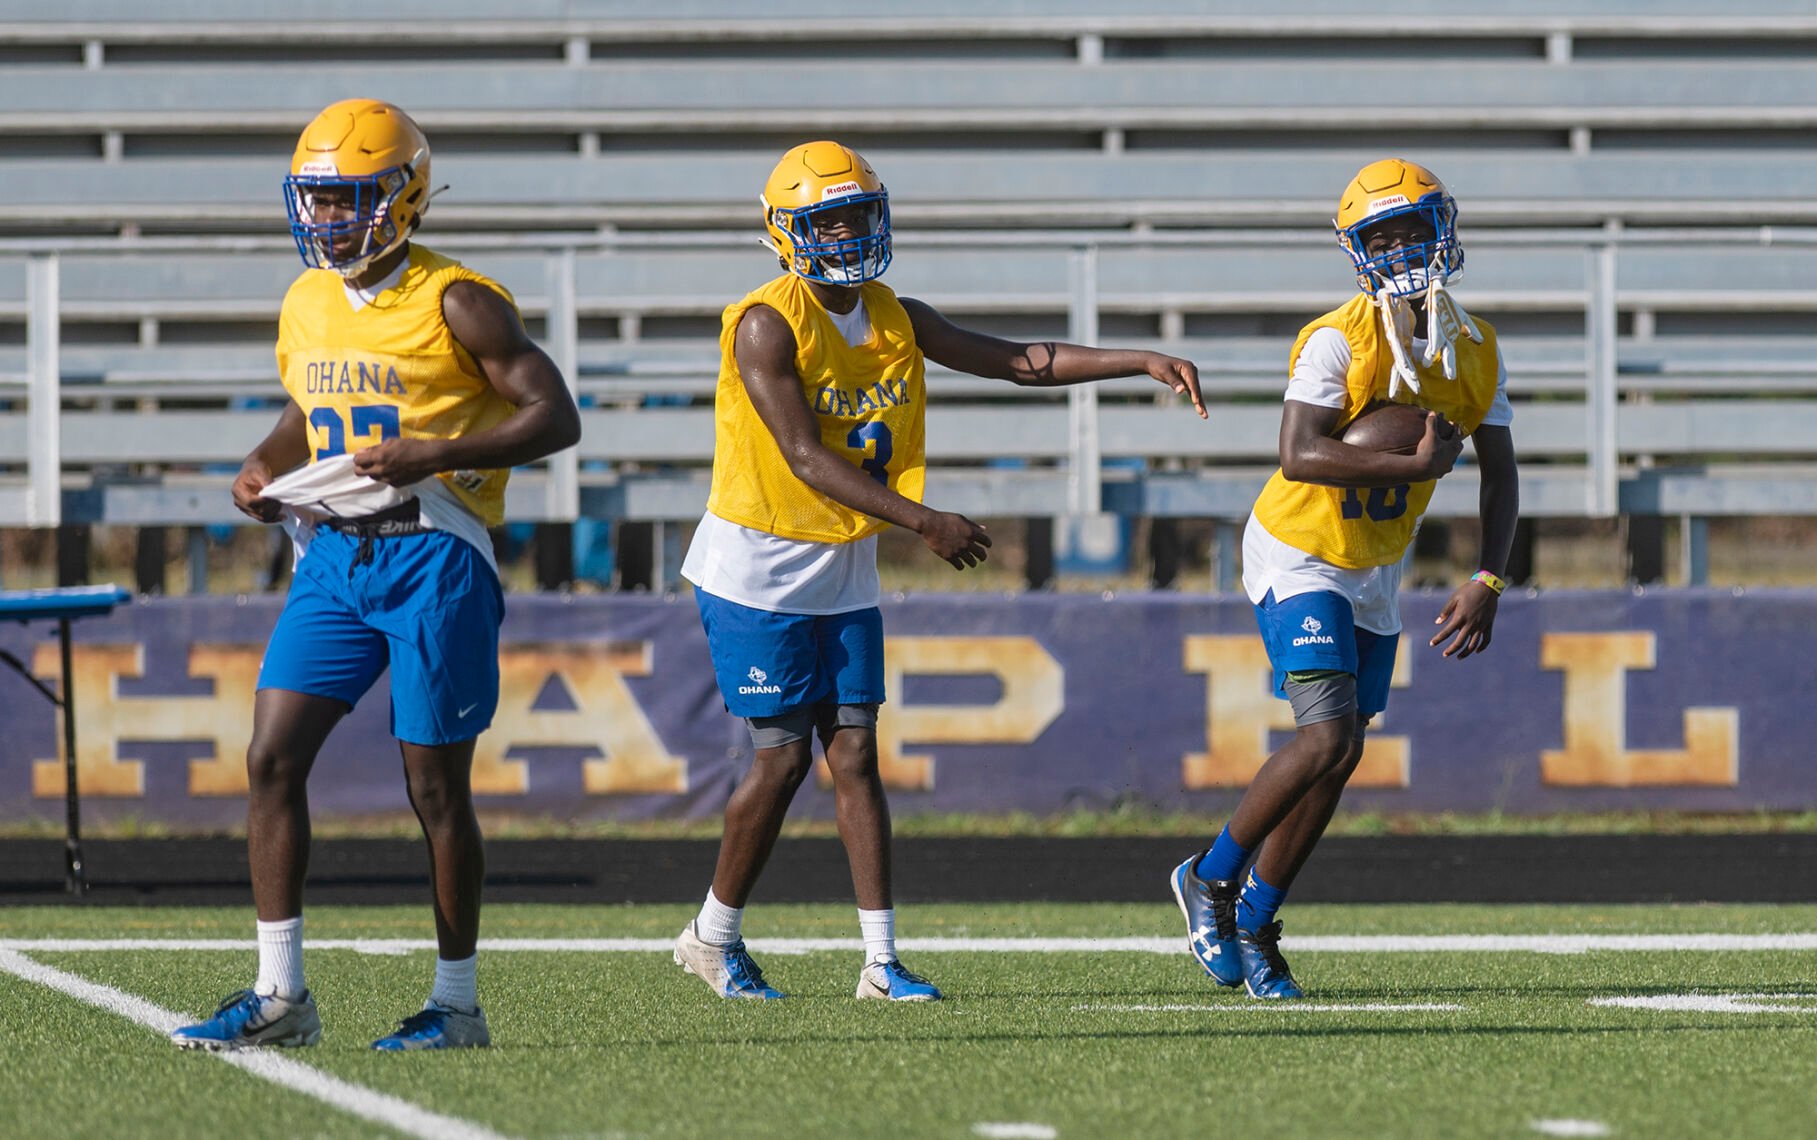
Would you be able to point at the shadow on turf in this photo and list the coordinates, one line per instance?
(1338, 994)
(1274, 1030)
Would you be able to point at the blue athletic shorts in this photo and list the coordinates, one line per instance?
(427, 605)
(769, 664)
(1317, 633)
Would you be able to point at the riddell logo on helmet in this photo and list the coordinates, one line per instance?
(841, 189)
(1384, 203)
(319, 166)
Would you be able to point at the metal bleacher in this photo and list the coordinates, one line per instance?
(1637, 201)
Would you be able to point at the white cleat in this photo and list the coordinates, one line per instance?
(891, 981)
(727, 970)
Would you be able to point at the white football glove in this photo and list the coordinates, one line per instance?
(1445, 319)
(1397, 326)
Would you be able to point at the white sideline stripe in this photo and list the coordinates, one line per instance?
(1711, 1003)
(353, 1099)
(1315, 944)
(1283, 1006)
(1020, 1130)
(1570, 1127)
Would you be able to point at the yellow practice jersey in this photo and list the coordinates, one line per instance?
(390, 370)
(870, 400)
(1371, 526)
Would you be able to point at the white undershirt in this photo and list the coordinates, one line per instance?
(359, 297)
(331, 488)
(854, 326)
(784, 575)
(1270, 564)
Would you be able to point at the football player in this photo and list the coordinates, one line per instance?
(818, 446)
(1322, 552)
(413, 392)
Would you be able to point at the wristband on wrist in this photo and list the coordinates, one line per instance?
(1490, 580)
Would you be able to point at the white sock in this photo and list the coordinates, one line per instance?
(879, 928)
(280, 959)
(454, 984)
(718, 924)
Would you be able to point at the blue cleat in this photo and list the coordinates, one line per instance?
(1265, 972)
(247, 1021)
(437, 1027)
(727, 970)
(892, 981)
(1211, 921)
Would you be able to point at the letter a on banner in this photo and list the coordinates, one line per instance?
(606, 717)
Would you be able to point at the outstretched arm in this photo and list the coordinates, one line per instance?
(1469, 614)
(546, 421)
(764, 348)
(1043, 364)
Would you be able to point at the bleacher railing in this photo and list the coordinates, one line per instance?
(1745, 453)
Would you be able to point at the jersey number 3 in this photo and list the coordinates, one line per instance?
(367, 419)
(873, 437)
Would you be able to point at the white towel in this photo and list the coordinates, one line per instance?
(331, 488)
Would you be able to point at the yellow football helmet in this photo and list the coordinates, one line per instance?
(358, 185)
(1392, 188)
(816, 177)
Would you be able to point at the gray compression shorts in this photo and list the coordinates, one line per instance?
(776, 731)
(1318, 697)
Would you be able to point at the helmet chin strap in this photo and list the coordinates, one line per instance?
(364, 262)
(1445, 321)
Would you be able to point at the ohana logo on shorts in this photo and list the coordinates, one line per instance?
(1312, 626)
(757, 686)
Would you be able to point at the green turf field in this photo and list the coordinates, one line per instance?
(1117, 1041)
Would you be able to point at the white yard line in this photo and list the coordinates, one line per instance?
(1711, 1003)
(1310, 944)
(1284, 1006)
(1014, 1130)
(1569, 1127)
(356, 1100)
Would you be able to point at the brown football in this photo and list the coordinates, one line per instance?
(1394, 428)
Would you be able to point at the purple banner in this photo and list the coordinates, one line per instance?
(1686, 699)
